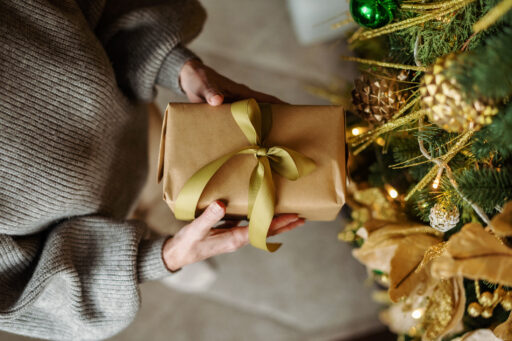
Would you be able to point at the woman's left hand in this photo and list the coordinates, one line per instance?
(200, 240)
(202, 84)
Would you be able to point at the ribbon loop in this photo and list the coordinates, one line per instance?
(261, 202)
(247, 115)
(289, 163)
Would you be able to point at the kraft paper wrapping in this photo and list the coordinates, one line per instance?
(196, 134)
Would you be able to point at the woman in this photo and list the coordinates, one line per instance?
(75, 77)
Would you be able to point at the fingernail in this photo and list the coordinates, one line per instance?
(218, 207)
(216, 100)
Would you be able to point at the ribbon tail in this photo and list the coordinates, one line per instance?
(186, 202)
(262, 211)
(254, 187)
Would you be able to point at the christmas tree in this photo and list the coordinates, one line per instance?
(431, 166)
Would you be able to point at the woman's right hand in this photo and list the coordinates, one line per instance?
(203, 84)
(199, 240)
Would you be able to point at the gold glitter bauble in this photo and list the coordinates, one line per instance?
(376, 100)
(444, 309)
(474, 309)
(500, 292)
(506, 303)
(486, 299)
(443, 217)
(487, 313)
(444, 102)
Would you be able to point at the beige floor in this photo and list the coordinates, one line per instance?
(312, 289)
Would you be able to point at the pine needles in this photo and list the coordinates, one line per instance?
(486, 71)
(491, 187)
(495, 140)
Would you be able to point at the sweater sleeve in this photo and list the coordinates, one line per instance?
(145, 42)
(78, 281)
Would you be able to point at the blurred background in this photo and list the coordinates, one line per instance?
(311, 288)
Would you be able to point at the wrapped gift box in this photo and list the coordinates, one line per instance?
(195, 134)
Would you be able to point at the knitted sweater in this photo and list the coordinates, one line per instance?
(73, 78)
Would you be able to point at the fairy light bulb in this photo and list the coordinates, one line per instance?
(393, 193)
(435, 184)
(358, 130)
(417, 313)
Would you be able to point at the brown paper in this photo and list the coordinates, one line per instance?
(196, 134)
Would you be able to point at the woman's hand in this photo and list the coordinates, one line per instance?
(202, 84)
(199, 240)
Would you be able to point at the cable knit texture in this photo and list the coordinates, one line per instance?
(73, 138)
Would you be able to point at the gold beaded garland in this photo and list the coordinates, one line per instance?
(474, 309)
(486, 299)
(487, 313)
(506, 302)
(500, 293)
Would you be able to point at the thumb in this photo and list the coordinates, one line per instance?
(213, 96)
(211, 216)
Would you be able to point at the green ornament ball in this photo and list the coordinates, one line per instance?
(372, 13)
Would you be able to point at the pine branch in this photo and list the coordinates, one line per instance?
(495, 138)
(486, 71)
(421, 203)
(487, 187)
(405, 149)
(438, 37)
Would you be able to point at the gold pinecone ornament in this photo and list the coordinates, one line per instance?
(443, 217)
(376, 100)
(445, 104)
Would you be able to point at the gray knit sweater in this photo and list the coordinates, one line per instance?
(73, 78)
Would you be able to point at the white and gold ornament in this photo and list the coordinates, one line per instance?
(444, 217)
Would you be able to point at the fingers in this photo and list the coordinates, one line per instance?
(211, 216)
(230, 240)
(213, 96)
(226, 241)
(227, 224)
(283, 220)
(286, 228)
(201, 83)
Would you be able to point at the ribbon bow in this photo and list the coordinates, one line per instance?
(255, 123)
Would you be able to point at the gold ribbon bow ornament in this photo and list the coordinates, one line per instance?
(255, 122)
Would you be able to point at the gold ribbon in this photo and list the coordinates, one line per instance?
(255, 122)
